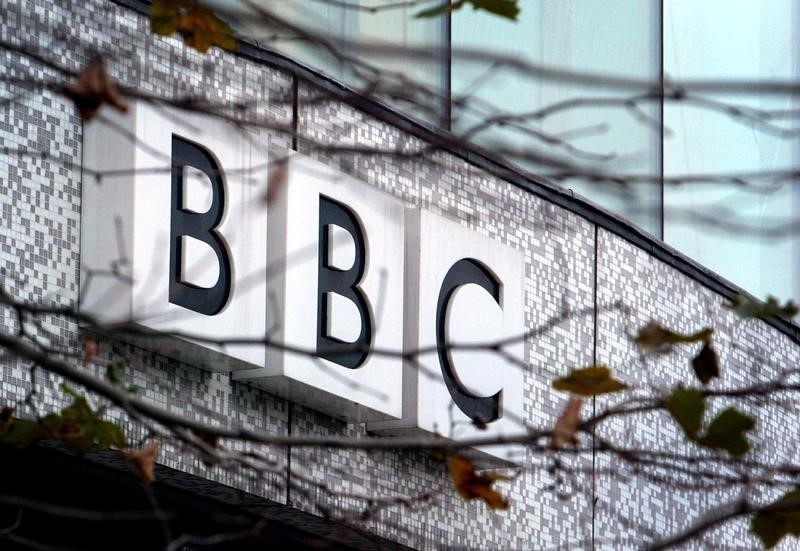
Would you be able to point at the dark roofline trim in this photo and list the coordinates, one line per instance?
(301, 527)
(481, 158)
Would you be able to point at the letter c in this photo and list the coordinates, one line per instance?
(467, 270)
(344, 283)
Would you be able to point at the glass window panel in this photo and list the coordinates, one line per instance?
(728, 226)
(613, 37)
(408, 53)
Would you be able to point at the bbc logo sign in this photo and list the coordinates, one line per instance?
(359, 295)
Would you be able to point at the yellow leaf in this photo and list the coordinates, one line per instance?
(144, 461)
(471, 485)
(164, 8)
(164, 17)
(590, 381)
(198, 40)
(198, 25)
(567, 424)
(654, 336)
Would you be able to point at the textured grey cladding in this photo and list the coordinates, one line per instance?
(566, 258)
(41, 201)
(40, 197)
(750, 352)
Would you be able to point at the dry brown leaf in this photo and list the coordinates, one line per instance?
(144, 461)
(92, 89)
(276, 181)
(567, 424)
(706, 364)
(471, 485)
(89, 349)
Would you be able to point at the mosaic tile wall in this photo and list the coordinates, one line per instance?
(566, 257)
(749, 352)
(41, 199)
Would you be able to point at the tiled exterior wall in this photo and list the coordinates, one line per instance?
(41, 199)
(568, 262)
(749, 352)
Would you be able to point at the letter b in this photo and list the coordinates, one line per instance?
(344, 283)
(201, 226)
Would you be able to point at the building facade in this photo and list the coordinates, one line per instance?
(589, 280)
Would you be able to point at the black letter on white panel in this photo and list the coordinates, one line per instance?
(467, 270)
(344, 283)
(199, 225)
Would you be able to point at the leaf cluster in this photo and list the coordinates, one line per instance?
(656, 338)
(725, 432)
(77, 426)
(589, 381)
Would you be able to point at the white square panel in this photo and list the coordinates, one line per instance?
(335, 254)
(468, 291)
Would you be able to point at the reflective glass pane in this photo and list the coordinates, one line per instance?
(387, 51)
(594, 131)
(741, 228)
